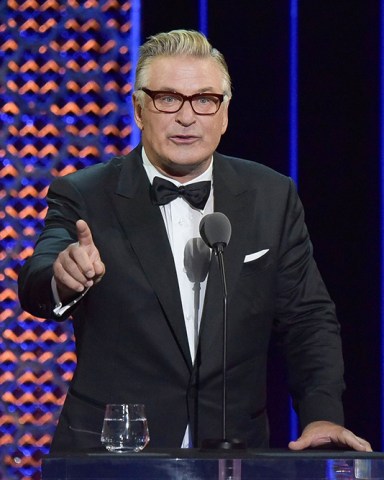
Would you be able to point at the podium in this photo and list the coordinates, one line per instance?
(180, 464)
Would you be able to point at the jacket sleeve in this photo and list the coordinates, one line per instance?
(65, 207)
(307, 325)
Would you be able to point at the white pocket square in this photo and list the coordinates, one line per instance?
(254, 256)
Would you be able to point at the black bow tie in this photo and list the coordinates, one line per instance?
(196, 194)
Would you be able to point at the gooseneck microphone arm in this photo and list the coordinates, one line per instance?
(219, 253)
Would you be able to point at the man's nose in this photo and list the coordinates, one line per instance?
(186, 114)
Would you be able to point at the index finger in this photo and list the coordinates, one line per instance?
(84, 235)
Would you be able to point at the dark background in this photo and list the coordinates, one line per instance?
(339, 156)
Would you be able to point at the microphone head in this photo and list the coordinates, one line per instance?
(215, 230)
(197, 258)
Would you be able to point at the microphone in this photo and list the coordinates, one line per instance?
(215, 230)
(197, 257)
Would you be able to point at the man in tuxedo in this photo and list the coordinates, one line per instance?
(122, 256)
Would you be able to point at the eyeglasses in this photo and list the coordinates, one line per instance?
(172, 102)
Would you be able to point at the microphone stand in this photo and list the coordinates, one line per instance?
(223, 443)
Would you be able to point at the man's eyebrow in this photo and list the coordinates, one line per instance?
(201, 90)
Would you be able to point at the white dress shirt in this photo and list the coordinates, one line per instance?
(182, 224)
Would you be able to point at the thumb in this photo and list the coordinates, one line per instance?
(300, 444)
(84, 234)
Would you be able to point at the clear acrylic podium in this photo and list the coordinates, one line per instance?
(203, 465)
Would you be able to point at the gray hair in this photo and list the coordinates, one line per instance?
(178, 42)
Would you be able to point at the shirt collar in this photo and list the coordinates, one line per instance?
(153, 172)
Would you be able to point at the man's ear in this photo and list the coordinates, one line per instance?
(225, 119)
(138, 109)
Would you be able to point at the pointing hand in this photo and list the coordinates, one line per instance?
(78, 266)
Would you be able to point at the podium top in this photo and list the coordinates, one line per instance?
(191, 464)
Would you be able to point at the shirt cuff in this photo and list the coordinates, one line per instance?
(60, 309)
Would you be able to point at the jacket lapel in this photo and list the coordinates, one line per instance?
(143, 225)
(232, 198)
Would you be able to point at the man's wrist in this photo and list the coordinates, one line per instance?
(60, 309)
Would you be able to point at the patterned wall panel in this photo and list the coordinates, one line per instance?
(65, 85)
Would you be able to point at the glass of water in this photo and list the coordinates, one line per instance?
(125, 428)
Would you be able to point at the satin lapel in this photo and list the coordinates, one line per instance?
(233, 199)
(144, 227)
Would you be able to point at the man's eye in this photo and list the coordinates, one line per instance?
(167, 99)
(206, 100)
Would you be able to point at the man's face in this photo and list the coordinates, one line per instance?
(180, 144)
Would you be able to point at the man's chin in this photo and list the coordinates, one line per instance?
(188, 168)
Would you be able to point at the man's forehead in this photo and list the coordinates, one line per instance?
(203, 72)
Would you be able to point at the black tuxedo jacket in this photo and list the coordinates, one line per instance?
(130, 333)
